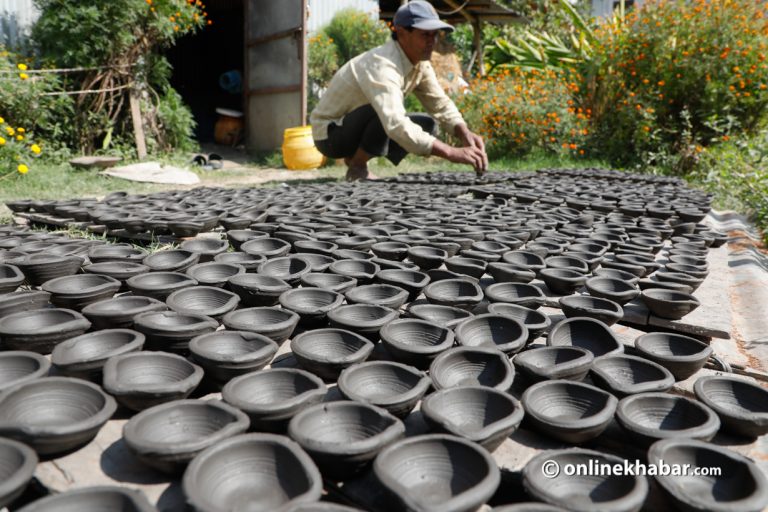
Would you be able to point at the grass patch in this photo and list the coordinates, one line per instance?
(61, 181)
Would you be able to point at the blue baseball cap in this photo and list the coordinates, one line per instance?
(419, 14)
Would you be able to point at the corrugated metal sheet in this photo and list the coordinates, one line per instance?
(321, 11)
(16, 18)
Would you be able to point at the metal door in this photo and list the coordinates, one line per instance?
(276, 70)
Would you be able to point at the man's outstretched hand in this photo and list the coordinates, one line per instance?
(469, 139)
(473, 156)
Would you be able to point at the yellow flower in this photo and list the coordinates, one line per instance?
(20, 130)
(22, 67)
(35, 149)
(2, 120)
(22, 168)
(2, 141)
(23, 76)
(19, 137)
(10, 131)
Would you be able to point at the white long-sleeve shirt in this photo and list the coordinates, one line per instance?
(383, 77)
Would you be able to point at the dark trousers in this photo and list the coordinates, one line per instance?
(362, 129)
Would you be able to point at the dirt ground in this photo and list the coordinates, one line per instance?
(257, 177)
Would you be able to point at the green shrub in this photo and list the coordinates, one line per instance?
(735, 172)
(322, 64)
(176, 122)
(525, 111)
(354, 32)
(677, 76)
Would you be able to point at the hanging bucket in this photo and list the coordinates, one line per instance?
(299, 151)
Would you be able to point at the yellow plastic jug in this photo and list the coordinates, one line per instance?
(299, 151)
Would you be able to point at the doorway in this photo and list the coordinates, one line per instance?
(199, 60)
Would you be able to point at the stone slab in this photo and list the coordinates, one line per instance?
(85, 162)
(50, 220)
(713, 318)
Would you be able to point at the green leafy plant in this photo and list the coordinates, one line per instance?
(175, 123)
(322, 64)
(734, 172)
(116, 46)
(549, 42)
(354, 32)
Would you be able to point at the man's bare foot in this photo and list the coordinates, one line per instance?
(356, 173)
(360, 173)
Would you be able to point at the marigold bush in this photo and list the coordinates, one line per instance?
(522, 111)
(26, 100)
(675, 77)
(17, 150)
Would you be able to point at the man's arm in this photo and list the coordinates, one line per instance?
(438, 104)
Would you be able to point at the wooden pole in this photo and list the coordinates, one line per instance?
(138, 125)
(477, 30)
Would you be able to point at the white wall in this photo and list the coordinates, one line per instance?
(16, 18)
(321, 11)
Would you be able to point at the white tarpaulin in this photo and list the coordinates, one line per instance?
(154, 172)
